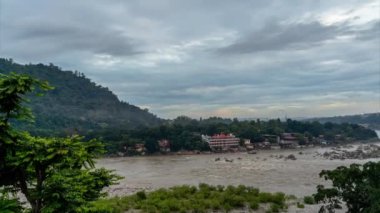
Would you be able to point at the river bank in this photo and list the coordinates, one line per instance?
(240, 150)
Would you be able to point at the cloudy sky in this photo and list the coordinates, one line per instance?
(201, 58)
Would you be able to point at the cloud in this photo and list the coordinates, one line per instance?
(371, 33)
(275, 36)
(63, 37)
(227, 58)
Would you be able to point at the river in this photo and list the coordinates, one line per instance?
(261, 170)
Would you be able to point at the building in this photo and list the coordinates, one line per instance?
(263, 145)
(320, 140)
(164, 145)
(289, 140)
(140, 147)
(247, 142)
(222, 142)
(248, 145)
(272, 138)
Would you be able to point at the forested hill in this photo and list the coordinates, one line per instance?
(76, 104)
(371, 120)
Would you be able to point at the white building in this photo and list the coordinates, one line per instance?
(221, 141)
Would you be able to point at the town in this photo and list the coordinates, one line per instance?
(228, 142)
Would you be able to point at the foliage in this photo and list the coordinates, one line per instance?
(54, 174)
(185, 133)
(61, 172)
(308, 200)
(370, 119)
(190, 198)
(76, 105)
(13, 88)
(9, 205)
(300, 205)
(357, 185)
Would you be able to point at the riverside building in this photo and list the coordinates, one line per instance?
(222, 142)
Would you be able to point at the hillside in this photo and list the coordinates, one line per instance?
(370, 120)
(76, 104)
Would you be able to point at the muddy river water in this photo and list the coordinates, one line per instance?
(262, 170)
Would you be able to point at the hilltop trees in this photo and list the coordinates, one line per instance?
(76, 105)
(54, 174)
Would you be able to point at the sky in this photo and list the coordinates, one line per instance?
(242, 58)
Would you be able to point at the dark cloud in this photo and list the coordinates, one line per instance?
(373, 32)
(62, 38)
(275, 36)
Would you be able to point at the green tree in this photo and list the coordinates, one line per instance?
(9, 205)
(151, 145)
(13, 88)
(357, 185)
(54, 174)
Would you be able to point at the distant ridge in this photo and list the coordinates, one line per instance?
(76, 105)
(370, 120)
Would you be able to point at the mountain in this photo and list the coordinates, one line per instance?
(76, 104)
(370, 120)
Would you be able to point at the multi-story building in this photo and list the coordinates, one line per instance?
(222, 141)
(289, 140)
(164, 145)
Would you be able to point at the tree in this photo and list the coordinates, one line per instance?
(13, 88)
(151, 145)
(357, 185)
(9, 205)
(54, 174)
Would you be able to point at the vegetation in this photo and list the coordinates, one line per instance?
(357, 185)
(9, 205)
(300, 205)
(308, 200)
(372, 120)
(76, 105)
(54, 174)
(195, 199)
(57, 174)
(185, 133)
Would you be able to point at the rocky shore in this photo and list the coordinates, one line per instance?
(361, 152)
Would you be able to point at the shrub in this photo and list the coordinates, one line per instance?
(141, 195)
(308, 200)
(150, 209)
(254, 204)
(233, 200)
(290, 197)
(220, 188)
(274, 208)
(278, 198)
(215, 204)
(253, 191)
(227, 207)
(192, 199)
(112, 205)
(300, 205)
(8, 205)
(264, 197)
